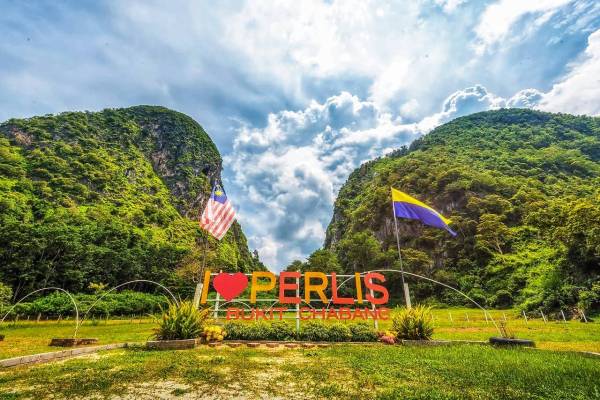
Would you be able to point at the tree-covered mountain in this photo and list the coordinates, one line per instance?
(105, 197)
(522, 189)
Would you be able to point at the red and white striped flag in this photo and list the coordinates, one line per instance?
(218, 214)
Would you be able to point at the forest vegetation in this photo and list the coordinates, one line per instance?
(522, 189)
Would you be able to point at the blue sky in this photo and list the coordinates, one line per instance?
(298, 94)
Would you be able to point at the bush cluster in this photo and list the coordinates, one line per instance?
(181, 321)
(113, 304)
(413, 323)
(314, 331)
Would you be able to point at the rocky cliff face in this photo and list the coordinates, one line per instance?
(182, 154)
(106, 196)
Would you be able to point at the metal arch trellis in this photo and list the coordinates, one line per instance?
(123, 284)
(50, 288)
(431, 280)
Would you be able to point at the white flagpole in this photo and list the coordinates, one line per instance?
(404, 284)
(200, 283)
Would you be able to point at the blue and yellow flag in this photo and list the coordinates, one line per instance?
(406, 206)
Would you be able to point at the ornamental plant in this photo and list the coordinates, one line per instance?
(214, 333)
(413, 323)
(181, 321)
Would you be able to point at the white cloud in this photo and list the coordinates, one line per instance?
(526, 98)
(579, 91)
(499, 17)
(449, 5)
(294, 166)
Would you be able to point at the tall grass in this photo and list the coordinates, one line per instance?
(413, 323)
(181, 321)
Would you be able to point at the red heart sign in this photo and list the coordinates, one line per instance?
(230, 285)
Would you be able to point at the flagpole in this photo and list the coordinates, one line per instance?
(200, 283)
(404, 285)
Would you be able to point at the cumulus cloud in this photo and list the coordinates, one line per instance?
(579, 91)
(499, 17)
(293, 167)
(449, 5)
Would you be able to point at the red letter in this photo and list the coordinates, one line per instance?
(283, 286)
(332, 313)
(384, 313)
(334, 290)
(280, 310)
(232, 313)
(345, 313)
(376, 288)
(303, 310)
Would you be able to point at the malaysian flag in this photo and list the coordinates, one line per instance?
(218, 215)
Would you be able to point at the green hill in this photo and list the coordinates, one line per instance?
(106, 197)
(523, 191)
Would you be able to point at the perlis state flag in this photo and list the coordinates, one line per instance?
(406, 206)
(218, 214)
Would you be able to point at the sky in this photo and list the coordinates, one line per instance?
(297, 94)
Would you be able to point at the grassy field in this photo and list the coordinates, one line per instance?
(30, 337)
(338, 372)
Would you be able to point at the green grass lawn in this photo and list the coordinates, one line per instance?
(29, 337)
(338, 372)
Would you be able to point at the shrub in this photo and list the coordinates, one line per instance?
(123, 303)
(5, 294)
(277, 330)
(339, 333)
(387, 339)
(503, 299)
(413, 324)
(318, 331)
(181, 321)
(213, 333)
(236, 330)
(363, 332)
(282, 331)
(315, 331)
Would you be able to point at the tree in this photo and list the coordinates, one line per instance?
(295, 265)
(359, 252)
(323, 260)
(492, 234)
(5, 294)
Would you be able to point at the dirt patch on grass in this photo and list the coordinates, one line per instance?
(175, 390)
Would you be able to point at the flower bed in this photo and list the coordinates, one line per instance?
(312, 331)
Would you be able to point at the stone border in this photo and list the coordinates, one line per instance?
(405, 342)
(71, 342)
(58, 355)
(506, 342)
(171, 344)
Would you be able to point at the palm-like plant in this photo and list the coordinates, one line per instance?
(181, 321)
(413, 323)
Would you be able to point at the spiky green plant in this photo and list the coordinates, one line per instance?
(414, 323)
(181, 321)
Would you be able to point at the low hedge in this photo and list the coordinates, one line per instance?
(314, 331)
(124, 303)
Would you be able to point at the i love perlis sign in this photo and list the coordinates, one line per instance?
(367, 287)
